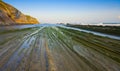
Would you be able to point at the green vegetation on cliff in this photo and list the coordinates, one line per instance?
(10, 15)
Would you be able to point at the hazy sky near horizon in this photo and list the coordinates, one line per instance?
(70, 11)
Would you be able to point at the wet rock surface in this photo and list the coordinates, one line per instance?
(55, 48)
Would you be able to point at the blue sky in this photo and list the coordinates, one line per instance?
(70, 11)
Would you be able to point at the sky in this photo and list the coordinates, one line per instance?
(70, 11)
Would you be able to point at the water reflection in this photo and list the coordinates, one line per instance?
(51, 25)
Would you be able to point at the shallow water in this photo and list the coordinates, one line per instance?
(50, 25)
(57, 48)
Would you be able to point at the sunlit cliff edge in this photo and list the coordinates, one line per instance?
(10, 15)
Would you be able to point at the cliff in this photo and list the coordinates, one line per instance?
(10, 15)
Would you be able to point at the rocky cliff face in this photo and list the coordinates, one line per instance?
(10, 15)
